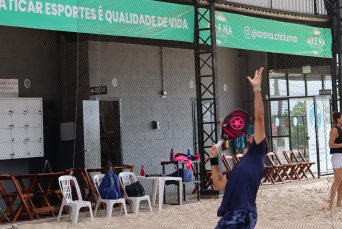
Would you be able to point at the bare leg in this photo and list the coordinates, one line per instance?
(339, 196)
(335, 185)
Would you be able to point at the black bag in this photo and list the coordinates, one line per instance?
(135, 190)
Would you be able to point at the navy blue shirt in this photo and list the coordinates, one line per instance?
(243, 181)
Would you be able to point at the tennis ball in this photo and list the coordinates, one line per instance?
(323, 208)
(262, 190)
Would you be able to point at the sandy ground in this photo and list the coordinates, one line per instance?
(295, 205)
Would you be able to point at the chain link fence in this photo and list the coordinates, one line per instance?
(73, 99)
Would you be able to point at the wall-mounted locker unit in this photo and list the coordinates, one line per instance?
(21, 128)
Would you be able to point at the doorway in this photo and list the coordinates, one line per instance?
(110, 131)
(102, 132)
(300, 118)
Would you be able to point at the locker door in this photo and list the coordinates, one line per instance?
(5, 150)
(19, 106)
(34, 134)
(5, 135)
(19, 134)
(19, 120)
(35, 149)
(34, 106)
(5, 106)
(5, 121)
(34, 120)
(19, 150)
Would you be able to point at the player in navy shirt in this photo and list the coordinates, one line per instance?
(238, 208)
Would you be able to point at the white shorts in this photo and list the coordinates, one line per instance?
(336, 160)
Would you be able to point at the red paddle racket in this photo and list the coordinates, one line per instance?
(234, 126)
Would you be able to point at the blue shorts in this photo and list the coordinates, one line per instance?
(237, 219)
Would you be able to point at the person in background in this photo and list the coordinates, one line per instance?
(238, 208)
(335, 144)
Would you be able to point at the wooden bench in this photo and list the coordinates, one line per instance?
(284, 166)
(303, 167)
(289, 167)
(279, 175)
(225, 160)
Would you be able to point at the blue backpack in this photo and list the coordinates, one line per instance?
(110, 187)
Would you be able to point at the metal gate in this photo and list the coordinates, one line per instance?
(303, 123)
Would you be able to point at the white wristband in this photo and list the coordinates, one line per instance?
(257, 89)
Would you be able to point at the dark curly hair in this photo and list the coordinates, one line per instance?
(335, 116)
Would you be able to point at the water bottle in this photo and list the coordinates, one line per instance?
(172, 156)
(189, 154)
(142, 172)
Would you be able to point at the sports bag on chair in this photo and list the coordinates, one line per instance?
(110, 187)
(135, 190)
(110, 184)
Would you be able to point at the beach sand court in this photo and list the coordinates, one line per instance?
(291, 205)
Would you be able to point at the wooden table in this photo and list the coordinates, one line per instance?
(10, 198)
(86, 184)
(25, 194)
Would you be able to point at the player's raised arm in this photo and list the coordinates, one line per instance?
(259, 128)
(219, 180)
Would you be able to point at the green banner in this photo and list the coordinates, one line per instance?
(131, 18)
(165, 21)
(242, 32)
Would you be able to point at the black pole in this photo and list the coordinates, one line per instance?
(333, 10)
(198, 96)
(338, 27)
(288, 107)
(206, 50)
(315, 7)
(297, 134)
(305, 121)
(289, 117)
(214, 67)
(317, 143)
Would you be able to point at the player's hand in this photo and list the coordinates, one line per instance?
(256, 81)
(250, 139)
(214, 151)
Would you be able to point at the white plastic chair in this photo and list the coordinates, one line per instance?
(125, 178)
(76, 205)
(109, 203)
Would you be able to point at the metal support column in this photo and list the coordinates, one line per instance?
(334, 11)
(206, 84)
(317, 141)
